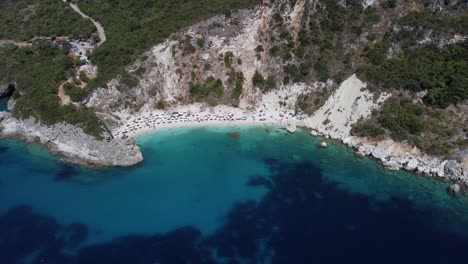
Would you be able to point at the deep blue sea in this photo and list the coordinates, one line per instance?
(202, 196)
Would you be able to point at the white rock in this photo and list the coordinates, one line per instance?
(291, 129)
(441, 169)
(391, 165)
(454, 189)
(411, 165)
(379, 154)
(360, 154)
(314, 133)
(323, 144)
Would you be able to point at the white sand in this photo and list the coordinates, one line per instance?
(197, 115)
(343, 108)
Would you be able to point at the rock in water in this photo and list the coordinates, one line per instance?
(234, 134)
(323, 144)
(313, 133)
(454, 189)
(291, 129)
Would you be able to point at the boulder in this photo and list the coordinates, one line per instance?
(411, 165)
(4, 116)
(323, 144)
(360, 154)
(441, 169)
(454, 189)
(314, 133)
(11, 104)
(291, 129)
(379, 154)
(391, 165)
(453, 169)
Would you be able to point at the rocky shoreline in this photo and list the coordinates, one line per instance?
(398, 156)
(76, 147)
(71, 143)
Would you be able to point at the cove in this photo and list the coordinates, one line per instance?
(202, 196)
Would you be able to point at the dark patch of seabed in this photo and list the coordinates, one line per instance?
(315, 206)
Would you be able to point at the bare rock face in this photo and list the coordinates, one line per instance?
(72, 143)
(442, 5)
(453, 169)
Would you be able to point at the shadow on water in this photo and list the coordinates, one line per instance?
(302, 219)
(66, 172)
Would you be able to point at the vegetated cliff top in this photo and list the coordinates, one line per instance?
(22, 20)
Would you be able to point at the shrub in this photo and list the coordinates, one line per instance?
(258, 80)
(161, 105)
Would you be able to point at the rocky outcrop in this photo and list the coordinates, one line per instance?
(395, 156)
(71, 143)
(6, 90)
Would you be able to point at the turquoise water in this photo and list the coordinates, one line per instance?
(201, 194)
(3, 104)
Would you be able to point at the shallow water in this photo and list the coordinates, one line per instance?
(3, 104)
(204, 197)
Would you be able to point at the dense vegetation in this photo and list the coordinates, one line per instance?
(434, 131)
(133, 26)
(418, 57)
(320, 52)
(24, 19)
(437, 23)
(211, 91)
(38, 71)
(440, 71)
(311, 102)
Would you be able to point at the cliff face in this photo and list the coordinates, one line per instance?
(264, 40)
(269, 41)
(219, 48)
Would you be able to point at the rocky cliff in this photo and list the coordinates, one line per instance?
(282, 55)
(266, 42)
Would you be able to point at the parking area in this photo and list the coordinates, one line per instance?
(80, 49)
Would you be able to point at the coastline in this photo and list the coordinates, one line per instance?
(71, 143)
(348, 104)
(391, 155)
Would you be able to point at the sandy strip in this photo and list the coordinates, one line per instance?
(222, 124)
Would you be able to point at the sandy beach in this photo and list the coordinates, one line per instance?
(198, 115)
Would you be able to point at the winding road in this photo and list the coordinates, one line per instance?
(62, 94)
(100, 29)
